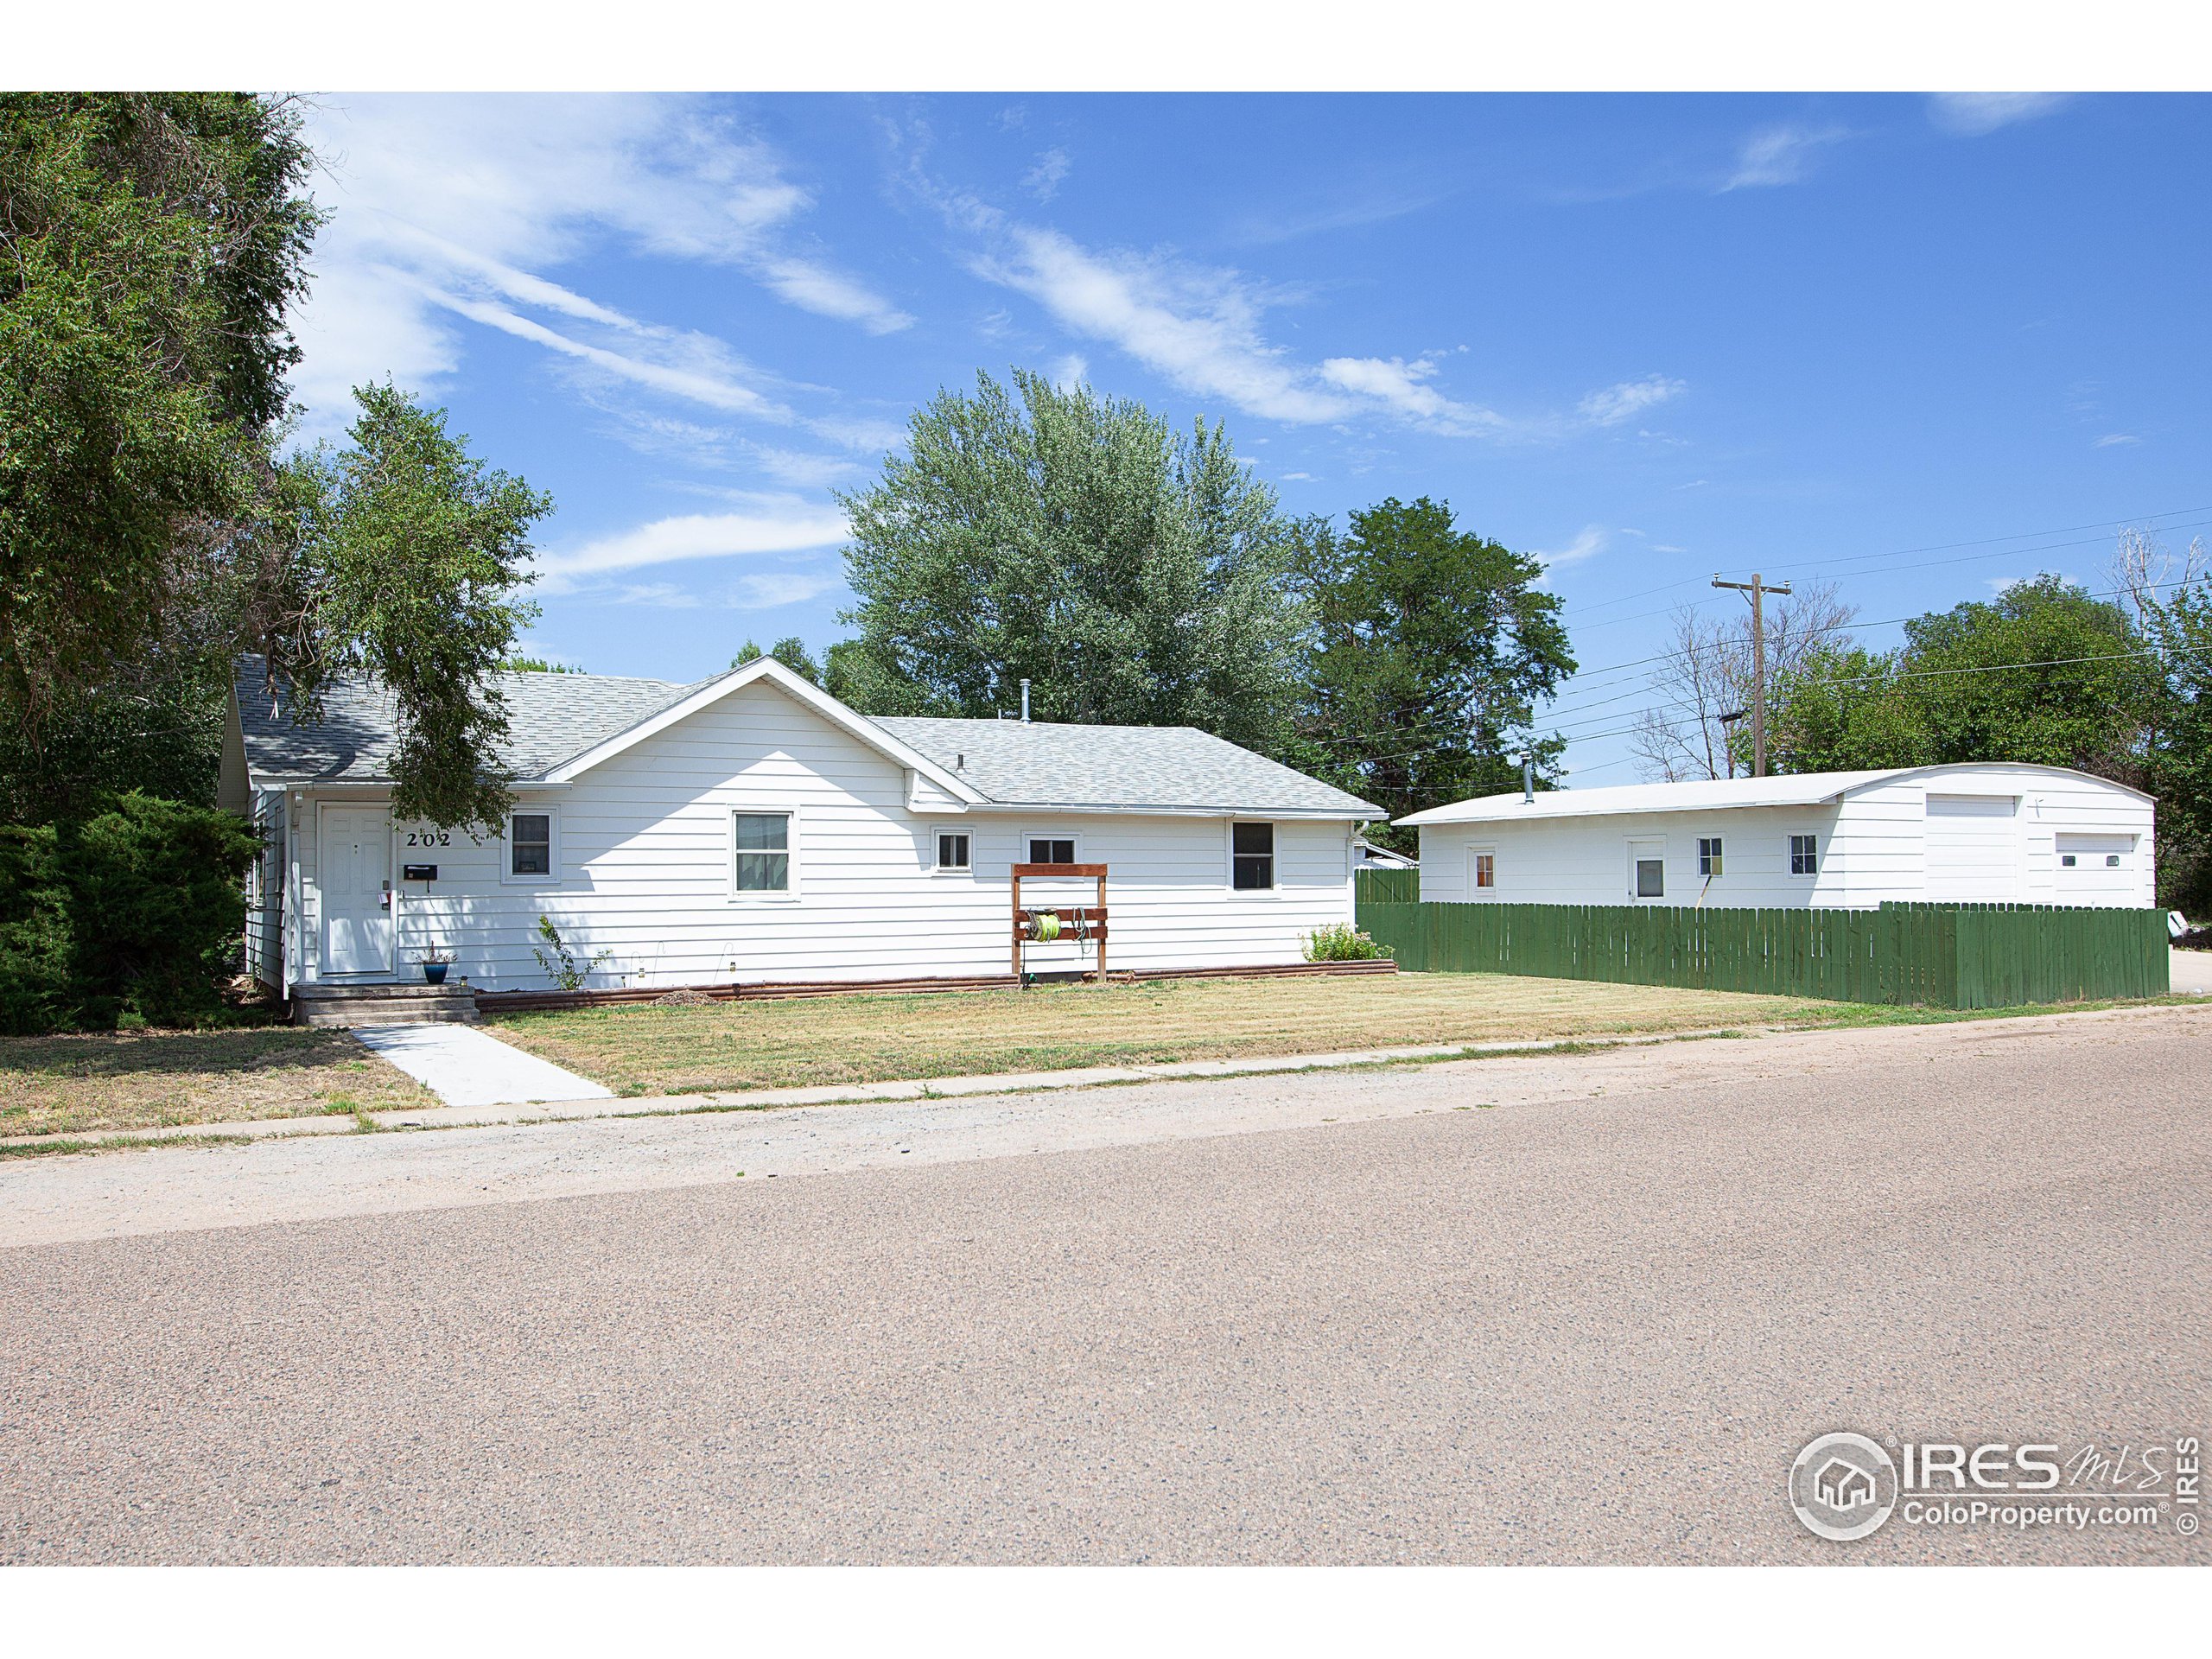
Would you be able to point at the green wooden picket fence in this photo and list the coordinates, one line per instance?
(1938, 956)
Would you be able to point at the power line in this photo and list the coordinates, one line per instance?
(1833, 627)
(1971, 558)
(1915, 552)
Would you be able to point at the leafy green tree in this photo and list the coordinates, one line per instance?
(149, 244)
(538, 665)
(409, 553)
(792, 652)
(1431, 646)
(1133, 574)
(2181, 761)
(2043, 674)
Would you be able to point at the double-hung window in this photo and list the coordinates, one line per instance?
(1482, 864)
(762, 857)
(1252, 857)
(530, 846)
(1708, 854)
(1804, 856)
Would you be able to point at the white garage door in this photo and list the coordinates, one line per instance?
(2098, 870)
(1973, 849)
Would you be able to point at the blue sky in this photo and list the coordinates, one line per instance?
(1920, 345)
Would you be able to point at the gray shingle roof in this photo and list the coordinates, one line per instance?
(1159, 766)
(555, 716)
(552, 716)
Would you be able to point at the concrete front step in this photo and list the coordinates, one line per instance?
(383, 1005)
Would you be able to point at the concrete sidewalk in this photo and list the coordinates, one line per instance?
(464, 1067)
(2192, 972)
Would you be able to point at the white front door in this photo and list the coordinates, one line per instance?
(356, 882)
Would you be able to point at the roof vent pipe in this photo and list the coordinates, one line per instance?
(1025, 702)
(1527, 776)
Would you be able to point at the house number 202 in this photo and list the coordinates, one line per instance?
(430, 838)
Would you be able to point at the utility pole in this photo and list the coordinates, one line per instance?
(1758, 591)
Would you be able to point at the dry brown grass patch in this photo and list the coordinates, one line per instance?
(132, 1080)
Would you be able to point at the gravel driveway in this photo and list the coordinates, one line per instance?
(1591, 1317)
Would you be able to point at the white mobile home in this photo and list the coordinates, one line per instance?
(751, 826)
(1845, 840)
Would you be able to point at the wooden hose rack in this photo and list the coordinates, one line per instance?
(1087, 927)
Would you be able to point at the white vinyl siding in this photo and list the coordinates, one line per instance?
(1871, 846)
(646, 870)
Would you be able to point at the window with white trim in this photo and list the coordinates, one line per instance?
(760, 847)
(1708, 854)
(1482, 868)
(952, 850)
(1052, 850)
(1804, 856)
(532, 847)
(1252, 857)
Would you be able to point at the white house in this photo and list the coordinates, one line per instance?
(751, 826)
(1847, 840)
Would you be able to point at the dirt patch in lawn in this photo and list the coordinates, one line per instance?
(132, 1080)
(653, 1049)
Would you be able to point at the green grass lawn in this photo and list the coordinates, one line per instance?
(645, 1049)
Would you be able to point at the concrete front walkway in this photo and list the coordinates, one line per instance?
(466, 1068)
(2192, 972)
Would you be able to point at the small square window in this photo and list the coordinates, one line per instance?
(763, 842)
(2112, 861)
(1709, 856)
(1049, 850)
(530, 843)
(1804, 856)
(1252, 857)
(952, 851)
(2067, 859)
(1486, 869)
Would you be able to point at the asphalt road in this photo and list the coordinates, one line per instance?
(1586, 1327)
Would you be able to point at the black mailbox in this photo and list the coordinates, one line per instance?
(418, 872)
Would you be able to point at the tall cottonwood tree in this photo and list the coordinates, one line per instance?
(1132, 573)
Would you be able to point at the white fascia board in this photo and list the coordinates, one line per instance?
(794, 686)
(1274, 814)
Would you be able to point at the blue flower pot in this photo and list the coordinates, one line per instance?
(433, 973)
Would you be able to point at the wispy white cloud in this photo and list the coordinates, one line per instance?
(788, 528)
(1630, 398)
(1298, 478)
(1198, 328)
(1976, 113)
(1779, 156)
(1403, 387)
(2116, 439)
(446, 208)
(773, 588)
(1201, 327)
(1044, 179)
(1071, 371)
(1593, 540)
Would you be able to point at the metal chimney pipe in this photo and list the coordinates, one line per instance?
(1527, 776)
(1025, 702)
